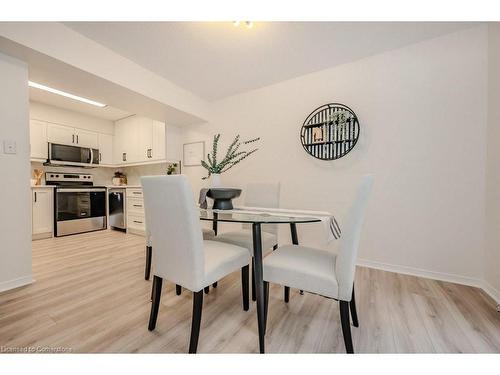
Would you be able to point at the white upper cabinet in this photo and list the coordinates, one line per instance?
(105, 149)
(158, 139)
(67, 135)
(144, 150)
(85, 138)
(138, 140)
(61, 134)
(38, 140)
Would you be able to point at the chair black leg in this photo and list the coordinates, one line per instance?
(147, 271)
(354, 313)
(214, 284)
(266, 303)
(244, 287)
(346, 326)
(254, 297)
(287, 294)
(178, 289)
(206, 289)
(157, 282)
(196, 321)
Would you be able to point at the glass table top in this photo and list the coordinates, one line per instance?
(234, 216)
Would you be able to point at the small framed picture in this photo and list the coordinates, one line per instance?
(194, 153)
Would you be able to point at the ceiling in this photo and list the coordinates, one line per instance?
(217, 59)
(121, 102)
(106, 113)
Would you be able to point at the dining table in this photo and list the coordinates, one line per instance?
(257, 219)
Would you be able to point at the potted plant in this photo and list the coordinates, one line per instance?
(172, 168)
(119, 179)
(234, 155)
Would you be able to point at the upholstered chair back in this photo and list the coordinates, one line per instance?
(174, 224)
(345, 265)
(263, 195)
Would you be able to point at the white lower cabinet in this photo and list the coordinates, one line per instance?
(42, 199)
(136, 222)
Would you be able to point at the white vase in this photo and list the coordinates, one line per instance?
(215, 180)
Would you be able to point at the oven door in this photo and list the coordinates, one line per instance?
(71, 155)
(79, 210)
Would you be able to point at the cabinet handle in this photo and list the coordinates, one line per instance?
(73, 141)
(136, 192)
(124, 156)
(77, 142)
(137, 205)
(35, 196)
(100, 157)
(138, 222)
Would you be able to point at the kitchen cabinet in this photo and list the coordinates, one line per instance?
(105, 149)
(138, 140)
(85, 138)
(60, 134)
(38, 140)
(42, 212)
(158, 141)
(67, 135)
(136, 222)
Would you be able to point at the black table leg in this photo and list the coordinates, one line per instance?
(293, 232)
(214, 223)
(259, 282)
(295, 241)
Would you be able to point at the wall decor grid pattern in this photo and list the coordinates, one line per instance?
(330, 132)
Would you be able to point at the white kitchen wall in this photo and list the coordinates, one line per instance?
(44, 112)
(422, 111)
(492, 250)
(15, 212)
(134, 174)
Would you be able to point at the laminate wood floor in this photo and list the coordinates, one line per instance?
(90, 296)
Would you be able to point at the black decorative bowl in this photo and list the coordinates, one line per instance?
(222, 197)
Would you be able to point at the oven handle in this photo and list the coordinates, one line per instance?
(83, 190)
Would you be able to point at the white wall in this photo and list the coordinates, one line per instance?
(422, 111)
(44, 112)
(492, 253)
(15, 212)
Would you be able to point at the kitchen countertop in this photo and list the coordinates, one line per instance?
(42, 186)
(124, 186)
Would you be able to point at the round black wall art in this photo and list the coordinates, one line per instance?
(330, 131)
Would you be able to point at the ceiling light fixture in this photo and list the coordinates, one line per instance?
(65, 94)
(248, 24)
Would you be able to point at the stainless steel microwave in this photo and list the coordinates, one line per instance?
(61, 155)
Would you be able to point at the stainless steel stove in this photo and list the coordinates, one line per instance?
(79, 206)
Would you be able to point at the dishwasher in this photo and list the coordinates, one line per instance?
(116, 203)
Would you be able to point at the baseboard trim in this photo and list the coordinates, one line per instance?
(491, 291)
(452, 278)
(16, 283)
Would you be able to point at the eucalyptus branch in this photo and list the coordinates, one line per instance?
(232, 157)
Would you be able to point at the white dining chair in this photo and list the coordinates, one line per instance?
(256, 195)
(208, 234)
(321, 271)
(180, 253)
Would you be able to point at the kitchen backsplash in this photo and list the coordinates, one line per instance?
(103, 176)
